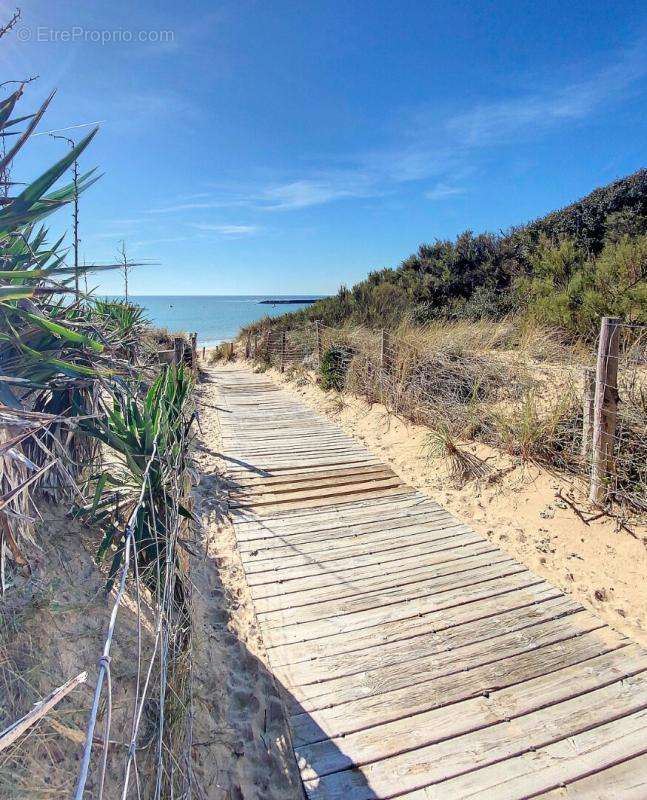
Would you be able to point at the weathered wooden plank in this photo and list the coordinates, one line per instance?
(626, 780)
(340, 720)
(276, 537)
(338, 578)
(307, 476)
(384, 653)
(262, 490)
(495, 566)
(269, 510)
(308, 493)
(349, 688)
(449, 537)
(548, 767)
(352, 508)
(388, 739)
(499, 741)
(370, 538)
(348, 514)
(396, 612)
(481, 611)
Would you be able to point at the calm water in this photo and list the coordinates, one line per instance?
(215, 319)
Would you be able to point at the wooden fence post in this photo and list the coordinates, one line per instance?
(319, 341)
(178, 350)
(604, 408)
(283, 351)
(204, 352)
(255, 352)
(588, 401)
(248, 345)
(385, 352)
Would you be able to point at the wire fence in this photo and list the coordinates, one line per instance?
(531, 394)
(172, 770)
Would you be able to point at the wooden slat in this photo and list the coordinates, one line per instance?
(627, 780)
(499, 741)
(385, 680)
(447, 722)
(366, 712)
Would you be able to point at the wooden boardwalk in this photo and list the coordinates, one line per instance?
(417, 660)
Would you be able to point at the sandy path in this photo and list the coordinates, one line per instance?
(601, 567)
(243, 750)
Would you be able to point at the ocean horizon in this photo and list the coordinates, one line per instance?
(215, 318)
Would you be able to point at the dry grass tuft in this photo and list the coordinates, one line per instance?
(223, 352)
(463, 466)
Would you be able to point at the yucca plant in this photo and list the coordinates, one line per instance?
(124, 324)
(146, 441)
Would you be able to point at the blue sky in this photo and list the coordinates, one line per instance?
(288, 147)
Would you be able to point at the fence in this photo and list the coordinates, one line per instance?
(182, 352)
(566, 408)
(172, 771)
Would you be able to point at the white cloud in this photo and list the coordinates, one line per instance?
(443, 190)
(429, 146)
(201, 206)
(314, 192)
(161, 240)
(229, 231)
(499, 121)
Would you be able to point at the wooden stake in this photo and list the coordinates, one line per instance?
(41, 708)
(385, 352)
(178, 350)
(588, 402)
(605, 408)
(255, 343)
(204, 351)
(319, 340)
(248, 345)
(283, 351)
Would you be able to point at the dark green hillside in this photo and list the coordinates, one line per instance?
(565, 269)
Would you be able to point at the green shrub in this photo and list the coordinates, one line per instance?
(563, 267)
(334, 365)
(572, 292)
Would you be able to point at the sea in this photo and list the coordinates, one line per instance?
(215, 318)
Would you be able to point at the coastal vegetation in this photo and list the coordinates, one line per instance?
(564, 270)
(490, 338)
(92, 423)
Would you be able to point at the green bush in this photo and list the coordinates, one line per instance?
(570, 291)
(563, 267)
(334, 365)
